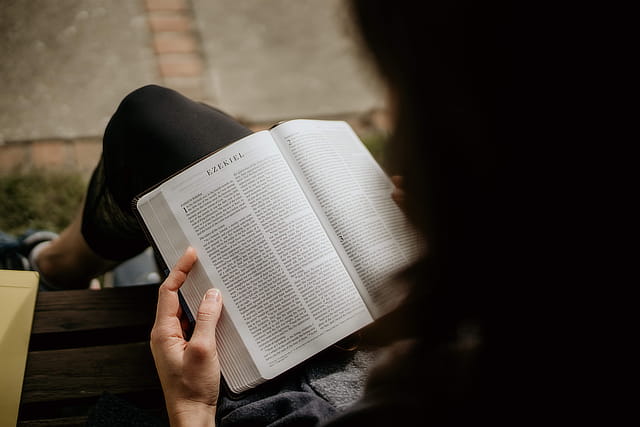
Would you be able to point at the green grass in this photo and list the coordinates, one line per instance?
(39, 200)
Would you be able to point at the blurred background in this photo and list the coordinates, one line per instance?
(67, 64)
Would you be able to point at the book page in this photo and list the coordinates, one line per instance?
(261, 243)
(237, 365)
(355, 195)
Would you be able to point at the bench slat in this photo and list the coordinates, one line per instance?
(66, 421)
(83, 310)
(55, 375)
(85, 343)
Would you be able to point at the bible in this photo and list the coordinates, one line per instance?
(297, 228)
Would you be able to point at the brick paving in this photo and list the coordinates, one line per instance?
(178, 51)
(68, 155)
(176, 45)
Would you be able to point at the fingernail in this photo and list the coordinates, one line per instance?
(212, 293)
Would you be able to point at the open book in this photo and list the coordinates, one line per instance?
(297, 229)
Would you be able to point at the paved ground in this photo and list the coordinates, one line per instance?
(67, 63)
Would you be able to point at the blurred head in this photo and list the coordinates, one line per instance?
(446, 67)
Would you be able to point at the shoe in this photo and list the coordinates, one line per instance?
(21, 253)
(32, 242)
(11, 257)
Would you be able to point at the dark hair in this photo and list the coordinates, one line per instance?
(447, 67)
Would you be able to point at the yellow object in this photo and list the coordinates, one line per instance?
(18, 291)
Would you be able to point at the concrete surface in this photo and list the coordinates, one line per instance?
(278, 59)
(67, 63)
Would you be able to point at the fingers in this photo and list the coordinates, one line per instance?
(179, 272)
(398, 197)
(168, 302)
(208, 316)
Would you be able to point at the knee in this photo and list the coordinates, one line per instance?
(147, 93)
(145, 105)
(138, 121)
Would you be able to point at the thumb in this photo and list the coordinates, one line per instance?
(208, 315)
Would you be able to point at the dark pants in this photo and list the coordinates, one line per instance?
(154, 133)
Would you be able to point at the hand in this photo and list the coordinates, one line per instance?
(189, 370)
(398, 194)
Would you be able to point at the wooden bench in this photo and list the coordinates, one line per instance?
(85, 343)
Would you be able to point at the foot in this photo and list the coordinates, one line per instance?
(31, 246)
(31, 243)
